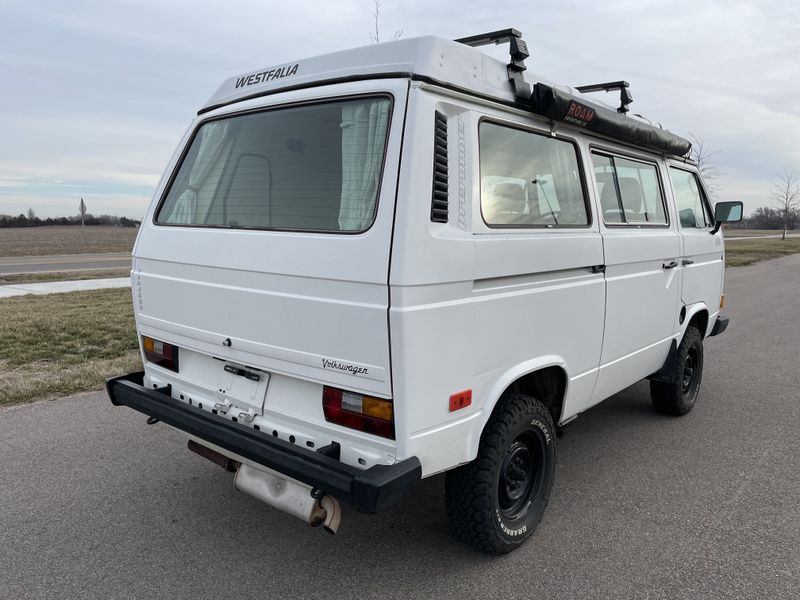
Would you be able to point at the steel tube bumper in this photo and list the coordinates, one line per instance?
(368, 490)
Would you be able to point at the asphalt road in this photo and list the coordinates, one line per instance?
(95, 504)
(64, 262)
(733, 238)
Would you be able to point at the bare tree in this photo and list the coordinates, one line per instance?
(706, 163)
(375, 37)
(786, 196)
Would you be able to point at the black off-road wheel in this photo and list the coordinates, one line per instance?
(678, 397)
(495, 502)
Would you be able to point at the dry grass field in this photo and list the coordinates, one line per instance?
(732, 233)
(63, 276)
(747, 252)
(44, 241)
(60, 344)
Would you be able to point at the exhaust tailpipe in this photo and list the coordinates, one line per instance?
(289, 496)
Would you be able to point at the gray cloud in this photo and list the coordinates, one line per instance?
(97, 94)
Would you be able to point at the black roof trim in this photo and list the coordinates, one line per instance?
(300, 86)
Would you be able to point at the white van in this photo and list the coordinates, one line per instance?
(381, 264)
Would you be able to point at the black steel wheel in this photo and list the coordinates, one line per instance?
(678, 397)
(496, 501)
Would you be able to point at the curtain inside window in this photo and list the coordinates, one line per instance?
(212, 140)
(363, 127)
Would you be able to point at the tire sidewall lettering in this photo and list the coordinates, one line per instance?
(506, 529)
(544, 429)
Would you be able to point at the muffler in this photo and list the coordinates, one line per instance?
(289, 496)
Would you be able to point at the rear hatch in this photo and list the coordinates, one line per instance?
(268, 249)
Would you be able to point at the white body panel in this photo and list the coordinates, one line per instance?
(703, 262)
(420, 310)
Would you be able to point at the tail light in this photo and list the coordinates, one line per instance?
(160, 353)
(365, 413)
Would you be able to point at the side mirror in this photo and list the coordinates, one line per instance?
(727, 212)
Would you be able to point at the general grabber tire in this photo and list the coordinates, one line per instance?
(495, 502)
(678, 398)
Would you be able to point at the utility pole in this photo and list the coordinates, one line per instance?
(83, 211)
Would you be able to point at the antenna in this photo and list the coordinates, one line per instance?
(518, 50)
(625, 97)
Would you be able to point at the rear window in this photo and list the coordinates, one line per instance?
(314, 167)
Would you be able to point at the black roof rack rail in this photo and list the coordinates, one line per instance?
(625, 97)
(518, 50)
(560, 105)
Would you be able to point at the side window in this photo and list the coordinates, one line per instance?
(692, 211)
(629, 191)
(529, 179)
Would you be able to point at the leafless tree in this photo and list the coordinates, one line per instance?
(786, 196)
(376, 36)
(706, 163)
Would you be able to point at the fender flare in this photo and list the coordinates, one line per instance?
(691, 311)
(667, 370)
(501, 385)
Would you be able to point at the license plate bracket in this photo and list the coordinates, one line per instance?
(242, 387)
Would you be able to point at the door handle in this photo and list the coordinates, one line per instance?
(670, 265)
(687, 261)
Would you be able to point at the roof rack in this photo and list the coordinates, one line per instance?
(625, 97)
(559, 105)
(518, 50)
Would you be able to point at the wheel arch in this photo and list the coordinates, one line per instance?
(697, 314)
(545, 378)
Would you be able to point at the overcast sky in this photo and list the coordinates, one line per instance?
(94, 96)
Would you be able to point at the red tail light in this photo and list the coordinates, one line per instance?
(160, 353)
(365, 413)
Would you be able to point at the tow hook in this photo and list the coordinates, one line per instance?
(152, 420)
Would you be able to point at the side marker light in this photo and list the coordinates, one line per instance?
(460, 400)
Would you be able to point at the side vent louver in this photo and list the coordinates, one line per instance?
(439, 199)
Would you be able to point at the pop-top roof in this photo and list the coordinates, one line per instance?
(439, 59)
(446, 62)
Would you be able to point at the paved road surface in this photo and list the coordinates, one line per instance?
(64, 262)
(733, 238)
(59, 287)
(95, 504)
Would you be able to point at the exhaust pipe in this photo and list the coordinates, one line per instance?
(289, 496)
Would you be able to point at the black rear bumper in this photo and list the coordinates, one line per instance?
(367, 489)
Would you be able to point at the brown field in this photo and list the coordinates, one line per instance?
(747, 252)
(731, 233)
(60, 344)
(44, 241)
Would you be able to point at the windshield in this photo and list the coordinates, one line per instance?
(313, 167)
